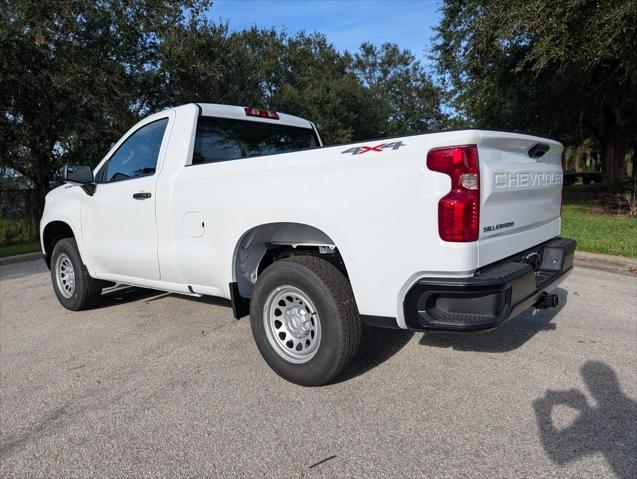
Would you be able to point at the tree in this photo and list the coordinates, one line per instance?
(566, 69)
(313, 80)
(75, 75)
(407, 98)
(204, 62)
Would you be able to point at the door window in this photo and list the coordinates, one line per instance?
(137, 156)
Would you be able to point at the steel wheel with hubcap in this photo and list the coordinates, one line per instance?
(292, 324)
(65, 275)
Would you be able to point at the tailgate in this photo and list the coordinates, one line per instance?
(520, 192)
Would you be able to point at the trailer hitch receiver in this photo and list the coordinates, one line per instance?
(547, 301)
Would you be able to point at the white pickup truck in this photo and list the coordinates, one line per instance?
(455, 231)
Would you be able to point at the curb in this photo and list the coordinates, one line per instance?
(19, 258)
(605, 262)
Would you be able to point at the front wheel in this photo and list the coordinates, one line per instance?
(304, 320)
(73, 286)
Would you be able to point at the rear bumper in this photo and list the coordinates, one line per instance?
(494, 294)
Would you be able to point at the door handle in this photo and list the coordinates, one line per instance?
(141, 196)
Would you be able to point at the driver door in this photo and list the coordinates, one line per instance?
(119, 225)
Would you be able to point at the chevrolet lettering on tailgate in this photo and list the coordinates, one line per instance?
(516, 179)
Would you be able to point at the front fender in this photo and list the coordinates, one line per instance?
(64, 205)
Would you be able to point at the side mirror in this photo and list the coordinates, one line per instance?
(78, 174)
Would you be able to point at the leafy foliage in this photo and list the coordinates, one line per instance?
(16, 231)
(75, 75)
(407, 100)
(565, 69)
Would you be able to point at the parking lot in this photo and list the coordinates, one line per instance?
(151, 384)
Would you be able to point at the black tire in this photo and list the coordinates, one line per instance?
(340, 324)
(87, 291)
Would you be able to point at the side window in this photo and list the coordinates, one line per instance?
(137, 156)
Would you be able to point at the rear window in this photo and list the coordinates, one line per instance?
(222, 139)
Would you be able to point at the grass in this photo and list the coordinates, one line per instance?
(19, 249)
(596, 232)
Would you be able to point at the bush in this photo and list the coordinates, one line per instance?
(629, 199)
(17, 231)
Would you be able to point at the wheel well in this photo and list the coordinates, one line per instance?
(54, 232)
(261, 246)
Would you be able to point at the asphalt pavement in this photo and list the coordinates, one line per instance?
(159, 385)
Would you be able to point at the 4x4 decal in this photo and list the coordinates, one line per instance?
(359, 150)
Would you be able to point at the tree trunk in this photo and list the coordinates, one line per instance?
(41, 186)
(613, 155)
(578, 160)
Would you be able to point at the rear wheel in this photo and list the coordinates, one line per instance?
(304, 320)
(73, 286)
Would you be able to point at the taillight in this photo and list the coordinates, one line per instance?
(272, 115)
(459, 210)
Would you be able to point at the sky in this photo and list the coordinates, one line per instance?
(345, 23)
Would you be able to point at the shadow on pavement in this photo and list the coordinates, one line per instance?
(212, 300)
(124, 295)
(610, 428)
(377, 346)
(511, 335)
(129, 294)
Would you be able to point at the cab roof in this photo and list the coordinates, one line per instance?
(239, 113)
